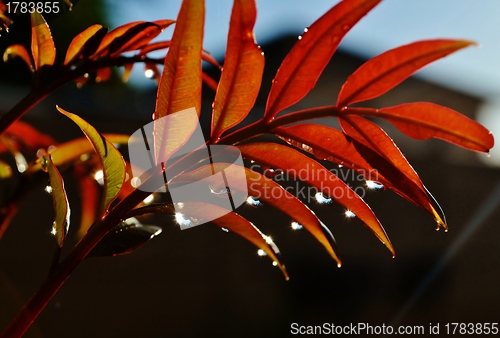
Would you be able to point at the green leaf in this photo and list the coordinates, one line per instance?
(125, 238)
(61, 205)
(113, 165)
(42, 45)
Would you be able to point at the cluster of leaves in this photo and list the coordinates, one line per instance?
(361, 145)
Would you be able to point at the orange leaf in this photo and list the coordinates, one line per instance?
(20, 52)
(180, 84)
(242, 72)
(384, 72)
(300, 166)
(127, 69)
(424, 120)
(374, 137)
(85, 43)
(304, 64)
(42, 45)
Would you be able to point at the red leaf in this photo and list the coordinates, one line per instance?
(180, 84)
(384, 72)
(424, 120)
(153, 47)
(137, 37)
(242, 72)
(20, 52)
(268, 191)
(29, 136)
(103, 74)
(294, 163)
(85, 43)
(42, 45)
(304, 64)
(374, 137)
(230, 221)
(330, 144)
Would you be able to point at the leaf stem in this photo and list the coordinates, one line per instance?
(261, 126)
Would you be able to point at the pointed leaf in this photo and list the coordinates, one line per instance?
(61, 205)
(42, 45)
(103, 74)
(304, 64)
(125, 238)
(330, 144)
(300, 166)
(230, 221)
(268, 191)
(71, 151)
(180, 84)
(374, 137)
(113, 166)
(242, 72)
(127, 69)
(424, 120)
(384, 72)
(137, 37)
(20, 52)
(29, 136)
(85, 43)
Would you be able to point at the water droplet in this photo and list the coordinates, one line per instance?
(349, 214)
(300, 37)
(307, 148)
(275, 263)
(148, 200)
(219, 191)
(181, 220)
(339, 265)
(261, 253)
(374, 185)
(252, 161)
(53, 231)
(341, 166)
(153, 116)
(135, 182)
(99, 177)
(322, 199)
(254, 202)
(268, 239)
(296, 226)
(149, 73)
(48, 189)
(225, 229)
(306, 29)
(84, 157)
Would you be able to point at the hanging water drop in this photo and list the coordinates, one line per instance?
(296, 226)
(135, 182)
(275, 263)
(349, 214)
(181, 220)
(149, 73)
(223, 191)
(306, 29)
(374, 185)
(254, 202)
(300, 37)
(99, 177)
(261, 253)
(322, 199)
(225, 229)
(48, 189)
(148, 200)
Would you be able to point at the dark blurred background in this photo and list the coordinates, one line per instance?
(204, 282)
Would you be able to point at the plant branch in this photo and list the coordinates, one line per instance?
(61, 272)
(262, 127)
